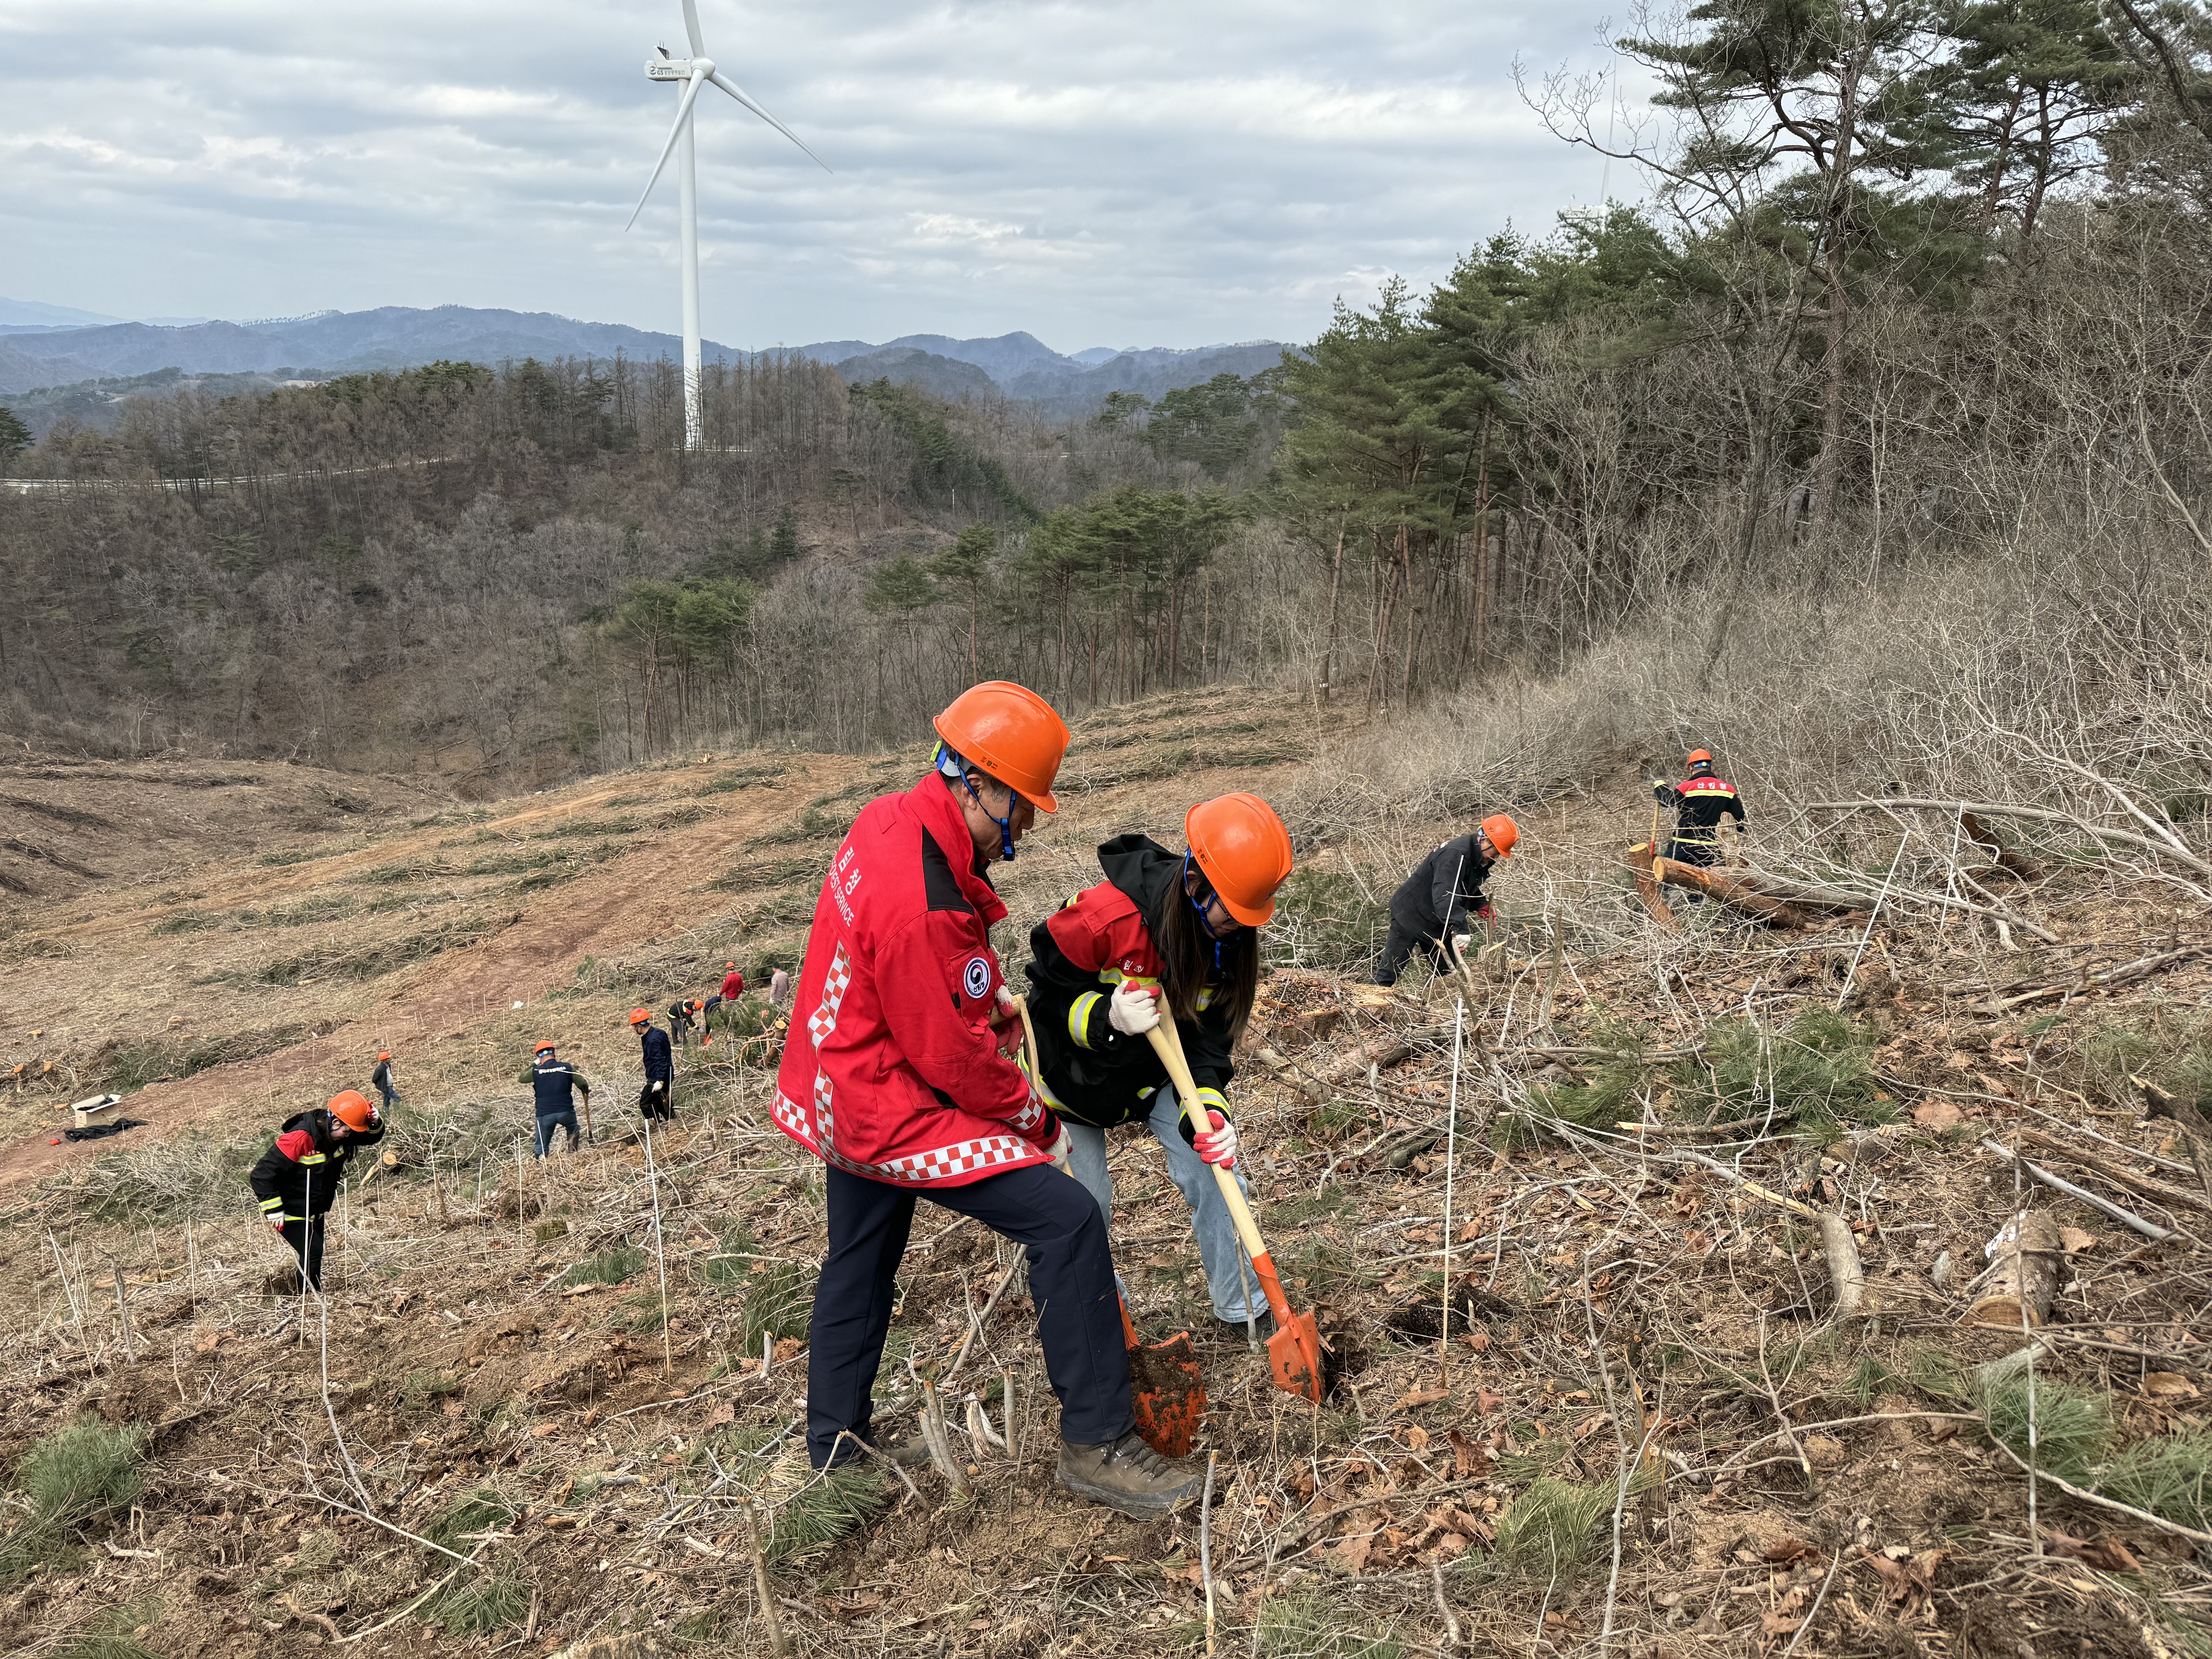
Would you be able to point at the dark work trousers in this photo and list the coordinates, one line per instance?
(653, 1102)
(1071, 1281)
(306, 1238)
(1400, 946)
(548, 1121)
(1696, 847)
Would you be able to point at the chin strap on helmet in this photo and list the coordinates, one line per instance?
(952, 766)
(1202, 905)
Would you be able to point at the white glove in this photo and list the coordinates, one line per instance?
(1461, 944)
(1219, 1144)
(1133, 1010)
(1062, 1150)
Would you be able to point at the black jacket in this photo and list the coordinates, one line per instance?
(1443, 896)
(299, 1176)
(1701, 802)
(659, 1060)
(1080, 953)
(554, 1083)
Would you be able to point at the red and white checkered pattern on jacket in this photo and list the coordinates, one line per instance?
(825, 1124)
(834, 984)
(961, 1157)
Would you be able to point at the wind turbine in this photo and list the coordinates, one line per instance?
(694, 71)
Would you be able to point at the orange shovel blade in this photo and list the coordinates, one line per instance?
(1294, 1356)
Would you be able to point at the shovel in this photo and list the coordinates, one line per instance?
(1294, 1350)
(1166, 1388)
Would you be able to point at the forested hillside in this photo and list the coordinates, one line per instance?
(1913, 326)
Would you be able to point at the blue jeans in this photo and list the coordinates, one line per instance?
(1209, 1212)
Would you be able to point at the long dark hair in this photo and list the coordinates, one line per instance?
(1187, 953)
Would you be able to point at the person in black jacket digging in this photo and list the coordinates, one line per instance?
(297, 1179)
(1436, 908)
(1165, 935)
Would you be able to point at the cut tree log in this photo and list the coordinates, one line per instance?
(1640, 857)
(2026, 1258)
(1736, 891)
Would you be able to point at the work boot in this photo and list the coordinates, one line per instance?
(1235, 1330)
(1127, 1475)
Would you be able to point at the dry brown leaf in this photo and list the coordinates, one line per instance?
(1420, 1397)
(723, 1412)
(2169, 1385)
(1485, 1401)
(2074, 1241)
(1937, 1115)
(1417, 1437)
(1908, 1582)
(2107, 1554)
(1358, 1544)
(1463, 1455)
(1784, 1551)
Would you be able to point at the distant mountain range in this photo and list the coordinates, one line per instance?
(51, 346)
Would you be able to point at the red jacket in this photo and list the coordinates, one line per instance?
(734, 986)
(892, 1070)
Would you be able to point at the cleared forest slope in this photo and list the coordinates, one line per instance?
(568, 1393)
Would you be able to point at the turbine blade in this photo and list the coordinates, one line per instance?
(730, 86)
(692, 29)
(682, 114)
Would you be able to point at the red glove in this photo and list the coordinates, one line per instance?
(1219, 1144)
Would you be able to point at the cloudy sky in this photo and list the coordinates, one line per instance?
(1122, 173)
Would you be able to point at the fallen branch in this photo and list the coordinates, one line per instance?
(1846, 1271)
(2141, 967)
(2202, 1540)
(2151, 1231)
(2141, 1183)
(2041, 815)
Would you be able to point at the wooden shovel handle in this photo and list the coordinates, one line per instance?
(1167, 1043)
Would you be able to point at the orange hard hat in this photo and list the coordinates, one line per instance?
(640, 1017)
(1245, 852)
(729, 964)
(543, 1048)
(351, 1108)
(1502, 833)
(1698, 757)
(384, 1054)
(1010, 732)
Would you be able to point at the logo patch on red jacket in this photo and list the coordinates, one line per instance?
(976, 979)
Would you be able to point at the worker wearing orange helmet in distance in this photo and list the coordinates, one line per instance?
(1701, 802)
(733, 983)
(380, 1079)
(899, 1075)
(1164, 933)
(554, 1085)
(1435, 909)
(297, 1179)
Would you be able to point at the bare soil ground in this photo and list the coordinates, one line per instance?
(1641, 1424)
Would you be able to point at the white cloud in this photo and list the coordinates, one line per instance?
(1132, 172)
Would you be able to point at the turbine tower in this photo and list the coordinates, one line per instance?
(694, 72)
